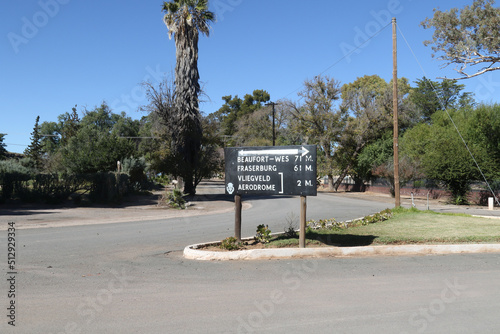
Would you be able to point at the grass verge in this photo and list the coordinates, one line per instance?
(406, 226)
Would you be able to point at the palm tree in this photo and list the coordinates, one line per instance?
(185, 19)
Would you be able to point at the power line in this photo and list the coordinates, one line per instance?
(346, 55)
(16, 144)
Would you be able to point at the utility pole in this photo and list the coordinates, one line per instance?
(395, 112)
(274, 132)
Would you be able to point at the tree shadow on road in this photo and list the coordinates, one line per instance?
(342, 240)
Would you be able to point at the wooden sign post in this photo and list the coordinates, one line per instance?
(237, 217)
(303, 209)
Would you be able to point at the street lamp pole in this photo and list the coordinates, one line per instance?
(274, 132)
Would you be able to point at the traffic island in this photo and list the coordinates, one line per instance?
(196, 252)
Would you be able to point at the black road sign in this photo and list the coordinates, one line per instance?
(271, 170)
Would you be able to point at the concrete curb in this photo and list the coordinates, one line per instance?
(192, 252)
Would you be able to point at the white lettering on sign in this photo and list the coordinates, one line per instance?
(282, 158)
(254, 178)
(257, 168)
(258, 187)
(253, 158)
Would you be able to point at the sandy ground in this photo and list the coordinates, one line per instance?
(209, 200)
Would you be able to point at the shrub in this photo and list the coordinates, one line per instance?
(108, 187)
(13, 184)
(161, 179)
(14, 166)
(136, 168)
(52, 188)
(175, 199)
(16, 182)
(291, 225)
(330, 224)
(12, 176)
(263, 234)
(230, 243)
(372, 219)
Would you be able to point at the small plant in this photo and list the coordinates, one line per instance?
(377, 217)
(263, 234)
(460, 200)
(291, 225)
(386, 212)
(161, 180)
(332, 224)
(325, 224)
(175, 199)
(230, 243)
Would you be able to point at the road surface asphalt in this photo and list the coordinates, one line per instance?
(121, 270)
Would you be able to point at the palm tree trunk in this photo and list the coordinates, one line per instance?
(188, 131)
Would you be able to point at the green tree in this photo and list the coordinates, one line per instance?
(50, 137)
(256, 128)
(408, 171)
(319, 121)
(3, 150)
(149, 142)
(372, 156)
(483, 129)
(468, 37)
(56, 135)
(68, 125)
(441, 154)
(368, 100)
(98, 144)
(227, 115)
(430, 96)
(185, 19)
(35, 151)
(235, 113)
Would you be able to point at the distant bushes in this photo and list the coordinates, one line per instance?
(108, 187)
(13, 175)
(136, 169)
(57, 188)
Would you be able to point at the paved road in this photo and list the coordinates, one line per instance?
(131, 278)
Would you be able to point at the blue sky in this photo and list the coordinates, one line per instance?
(56, 54)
